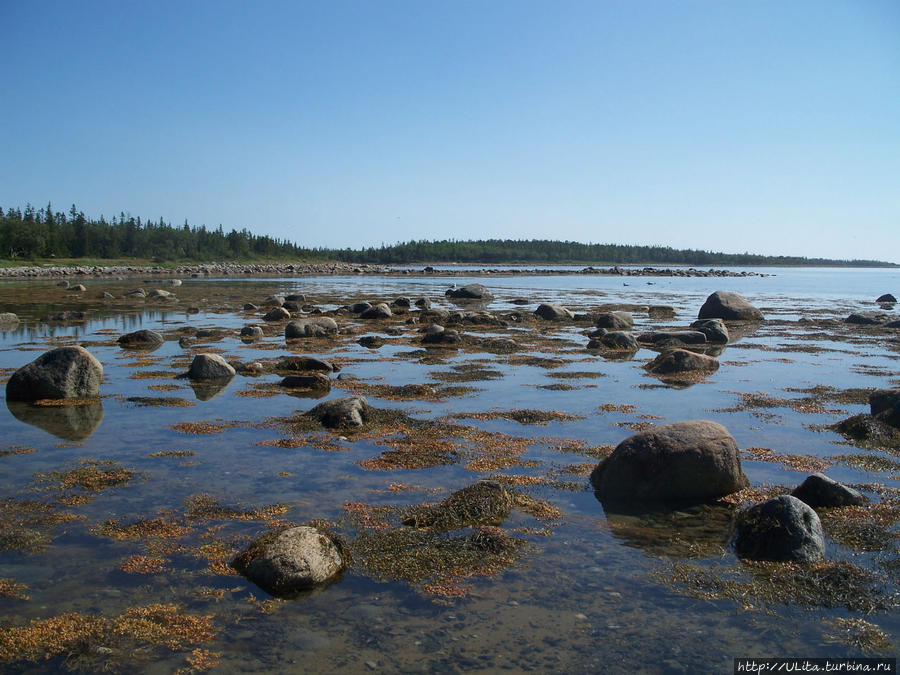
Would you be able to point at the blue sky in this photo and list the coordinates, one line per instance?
(761, 126)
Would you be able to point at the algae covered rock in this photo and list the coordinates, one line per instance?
(681, 463)
(64, 372)
(379, 311)
(614, 321)
(616, 340)
(141, 339)
(291, 560)
(781, 529)
(484, 503)
(316, 327)
(715, 330)
(729, 306)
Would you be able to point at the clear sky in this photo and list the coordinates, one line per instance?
(761, 125)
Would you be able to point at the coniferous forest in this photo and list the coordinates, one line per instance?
(43, 234)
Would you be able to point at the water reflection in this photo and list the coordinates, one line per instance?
(205, 390)
(696, 531)
(69, 422)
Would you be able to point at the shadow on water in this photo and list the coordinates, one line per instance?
(69, 422)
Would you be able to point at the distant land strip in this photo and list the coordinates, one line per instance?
(235, 269)
(32, 235)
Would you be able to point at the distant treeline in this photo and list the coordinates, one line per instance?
(34, 234)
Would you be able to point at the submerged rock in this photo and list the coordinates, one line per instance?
(484, 503)
(781, 529)
(681, 463)
(729, 306)
(291, 560)
(317, 381)
(65, 372)
(819, 490)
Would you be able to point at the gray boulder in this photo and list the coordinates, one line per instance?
(470, 292)
(614, 321)
(379, 311)
(278, 313)
(550, 312)
(158, 293)
(291, 560)
(729, 306)
(319, 326)
(682, 463)
(65, 372)
(77, 288)
(616, 340)
(886, 298)
(252, 332)
(135, 293)
(210, 367)
(676, 361)
(423, 303)
(448, 336)
(661, 312)
(8, 319)
(360, 307)
(715, 330)
(141, 339)
(782, 529)
(402, 302)
(274, 301)
(250, 307)
(349, 411)
(819, 490)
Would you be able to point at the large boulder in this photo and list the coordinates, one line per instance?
(818, 490)
(65, 372)
(677, 361)
(470, 292)
(782, 528)
(729, 306)
(141, 339)
(349, 411)
(550, 312)
(614, 321)
(210, 367)
(379, 311)
(887, 298)
(715, 330)
(681, 463)
(291, 560)
(320, 326)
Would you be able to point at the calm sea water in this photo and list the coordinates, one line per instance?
(589, 592)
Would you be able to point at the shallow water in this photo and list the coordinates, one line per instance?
(588, 592)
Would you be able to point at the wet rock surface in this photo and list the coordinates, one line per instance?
(818, 490)
(779, 529)
(685, 462)
(729, 306)
(291, 560)
(64, 372)
(210, 367)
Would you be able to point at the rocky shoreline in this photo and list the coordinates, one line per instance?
(218, 269)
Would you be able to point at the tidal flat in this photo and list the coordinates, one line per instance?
(120, 518)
